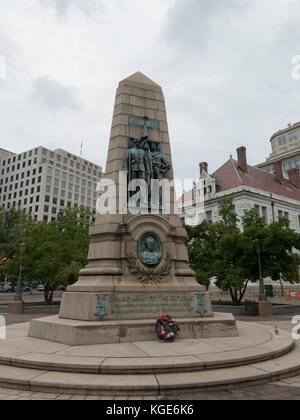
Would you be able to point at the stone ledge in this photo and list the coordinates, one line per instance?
(154, 357)
(151, 384)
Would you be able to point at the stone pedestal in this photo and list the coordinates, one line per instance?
(128, 290)
(80, 333)
(15, 307)
(125, 281)
(265, 308)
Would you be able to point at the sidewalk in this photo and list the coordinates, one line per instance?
(288, 389)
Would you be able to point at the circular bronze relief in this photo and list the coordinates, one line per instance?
(150, 250)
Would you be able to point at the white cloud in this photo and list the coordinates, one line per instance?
(56, 95)
(63, 7)
(225, 67)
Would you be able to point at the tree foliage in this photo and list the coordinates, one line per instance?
(55, 252)
(229, 254)
(13, 224)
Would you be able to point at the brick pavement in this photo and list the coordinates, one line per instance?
(287, 389)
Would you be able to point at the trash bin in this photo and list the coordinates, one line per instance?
(269, 291)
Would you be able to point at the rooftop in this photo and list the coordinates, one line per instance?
(231, 176)
(290, 127)
(255, 178)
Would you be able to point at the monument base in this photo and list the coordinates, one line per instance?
(265, 308)
(83, 333)
(136, 304)
(15, 307)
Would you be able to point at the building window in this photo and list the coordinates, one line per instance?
(264, 215)
(209, 217)
(293, 136)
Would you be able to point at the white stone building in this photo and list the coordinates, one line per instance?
(249, 187)
(43, 182)
(285, 148)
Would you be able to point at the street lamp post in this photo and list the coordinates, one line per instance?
(18, 296)
(261, 280)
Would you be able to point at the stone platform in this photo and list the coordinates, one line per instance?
(148, 368)
(82, 333)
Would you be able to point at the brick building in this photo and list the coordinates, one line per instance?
(249, 187)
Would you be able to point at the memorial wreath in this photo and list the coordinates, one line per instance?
(167, 329)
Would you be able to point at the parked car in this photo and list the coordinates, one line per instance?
(40, 288)
(7, 288)
(27, 289)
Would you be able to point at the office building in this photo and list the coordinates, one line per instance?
(43, 182)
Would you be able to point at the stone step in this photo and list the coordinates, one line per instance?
(83, 333)
(146, 365)
(151, 384)
(253, 344)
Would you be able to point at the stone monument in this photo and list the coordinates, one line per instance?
(138, 263)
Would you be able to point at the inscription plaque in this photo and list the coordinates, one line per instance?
(145, 306)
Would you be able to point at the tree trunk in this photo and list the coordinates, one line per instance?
(48, 294)
(234, 297)
(231, 293)
(243, 291)
(282, 288)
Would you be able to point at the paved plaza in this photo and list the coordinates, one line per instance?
(286, 389)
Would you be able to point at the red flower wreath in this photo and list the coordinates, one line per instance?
(167, 329)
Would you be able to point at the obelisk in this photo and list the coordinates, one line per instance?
(115, 237)
(138, 266)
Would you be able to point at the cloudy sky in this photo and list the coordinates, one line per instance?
(225, 67)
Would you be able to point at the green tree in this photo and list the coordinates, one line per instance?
(229, 254)
(202, 251)
(13, 224)
(278, 243)
(229, 263)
